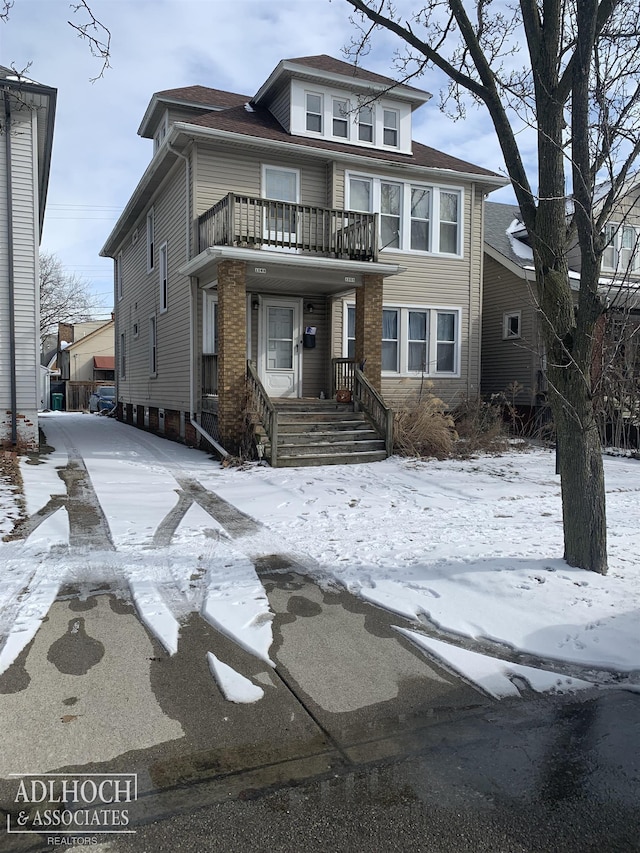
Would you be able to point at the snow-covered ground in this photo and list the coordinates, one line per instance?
(471, 547)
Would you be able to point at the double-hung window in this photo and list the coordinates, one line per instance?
(413, 217)
(414, 340)
(390, 127)
(390, 210)
(365, 124)
(390, 330)
(283, 187)
(314, 112)
(622, 250)
(164, 278)
(629, 251)
(340, 118)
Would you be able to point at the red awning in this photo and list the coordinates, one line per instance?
(104, 362)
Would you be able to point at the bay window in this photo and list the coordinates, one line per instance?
(390, 203)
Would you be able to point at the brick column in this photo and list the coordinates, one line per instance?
(232, 351)
(369, 328)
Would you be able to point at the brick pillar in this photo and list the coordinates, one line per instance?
(369, 328)
(232, 351)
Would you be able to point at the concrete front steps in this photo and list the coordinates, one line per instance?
(323, 432)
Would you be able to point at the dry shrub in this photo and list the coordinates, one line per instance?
(480, 427)
(422, 428)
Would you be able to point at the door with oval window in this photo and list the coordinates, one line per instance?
(280, 348)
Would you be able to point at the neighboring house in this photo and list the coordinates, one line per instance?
(85, 360)
(513, 352)
(303, 231)
(27, 114)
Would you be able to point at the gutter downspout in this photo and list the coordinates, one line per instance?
(192, 299)
(11, 273)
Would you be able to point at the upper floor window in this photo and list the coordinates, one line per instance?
(365, 124)
(413, 217)
(150, 240)
(153, 346)
(340, 118)
(391, 121)
(123, 355)
(164, 277)
(281, 185)
(511, 325)
(622, 252)
(314, 112)
(161, 133)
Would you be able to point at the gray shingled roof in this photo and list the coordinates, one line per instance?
(203, 96)
(497, 220)
(323, 62)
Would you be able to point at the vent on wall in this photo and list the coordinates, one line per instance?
(134, 237)
(160, 420)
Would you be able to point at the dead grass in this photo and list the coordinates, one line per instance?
(480, 427)
(422, 428)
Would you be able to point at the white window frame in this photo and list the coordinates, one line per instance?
(209, 323)
(153, 345)
(118, 276)
(308, 112)
(368, 124)
(507, 334)
(431, 367)
(151, 227)
(342, 118)
(615, 250)
(395, 128)
(376, 182)
(270, 232)
(163, 277)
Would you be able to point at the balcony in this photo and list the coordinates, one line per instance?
(258, 223)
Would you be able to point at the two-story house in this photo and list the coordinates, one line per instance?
(513, 352)
(290, 245)
(27, 114)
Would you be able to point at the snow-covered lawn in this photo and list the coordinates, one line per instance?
(471, 547)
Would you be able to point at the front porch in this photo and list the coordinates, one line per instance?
(269, 277)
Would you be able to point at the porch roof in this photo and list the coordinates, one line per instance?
(289, 271)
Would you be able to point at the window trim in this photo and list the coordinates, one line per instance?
(369, 124)
(507, 335)
(386, 127)
(163, 277)
(376, 181)
(151, 227)
(308, 112)
(614, 245)
(343, 118)
(209, 322)
(153, 345)
(403, 310)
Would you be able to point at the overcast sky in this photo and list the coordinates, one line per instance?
(98, 157)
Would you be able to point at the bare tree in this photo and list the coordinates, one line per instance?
(577, 86)
(64, 297)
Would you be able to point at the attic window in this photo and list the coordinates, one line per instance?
(314, 112)
(365, 124)
(340, 118)
(161, 133)
(511, 325)
(390, 128)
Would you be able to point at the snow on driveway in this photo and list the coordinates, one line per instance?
(471, 549)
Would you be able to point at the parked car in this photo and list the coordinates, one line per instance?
(103, 399)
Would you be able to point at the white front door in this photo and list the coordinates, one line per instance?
(280, 347)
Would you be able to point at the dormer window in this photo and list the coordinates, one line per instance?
(365, 124)
(314, 112)
(390, 128)
(161, 133)
(341, 118)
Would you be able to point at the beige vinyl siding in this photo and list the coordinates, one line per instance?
(507, 361)
(280, 107)
(316, 363)
(435, 281)
(141, 299)
(222, 171)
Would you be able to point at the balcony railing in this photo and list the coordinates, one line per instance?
(246, 221)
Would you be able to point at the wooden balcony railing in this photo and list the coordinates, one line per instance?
(342, 370)
(246, 221)
(367, 398)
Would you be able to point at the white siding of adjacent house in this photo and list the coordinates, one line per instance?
(26, 289)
